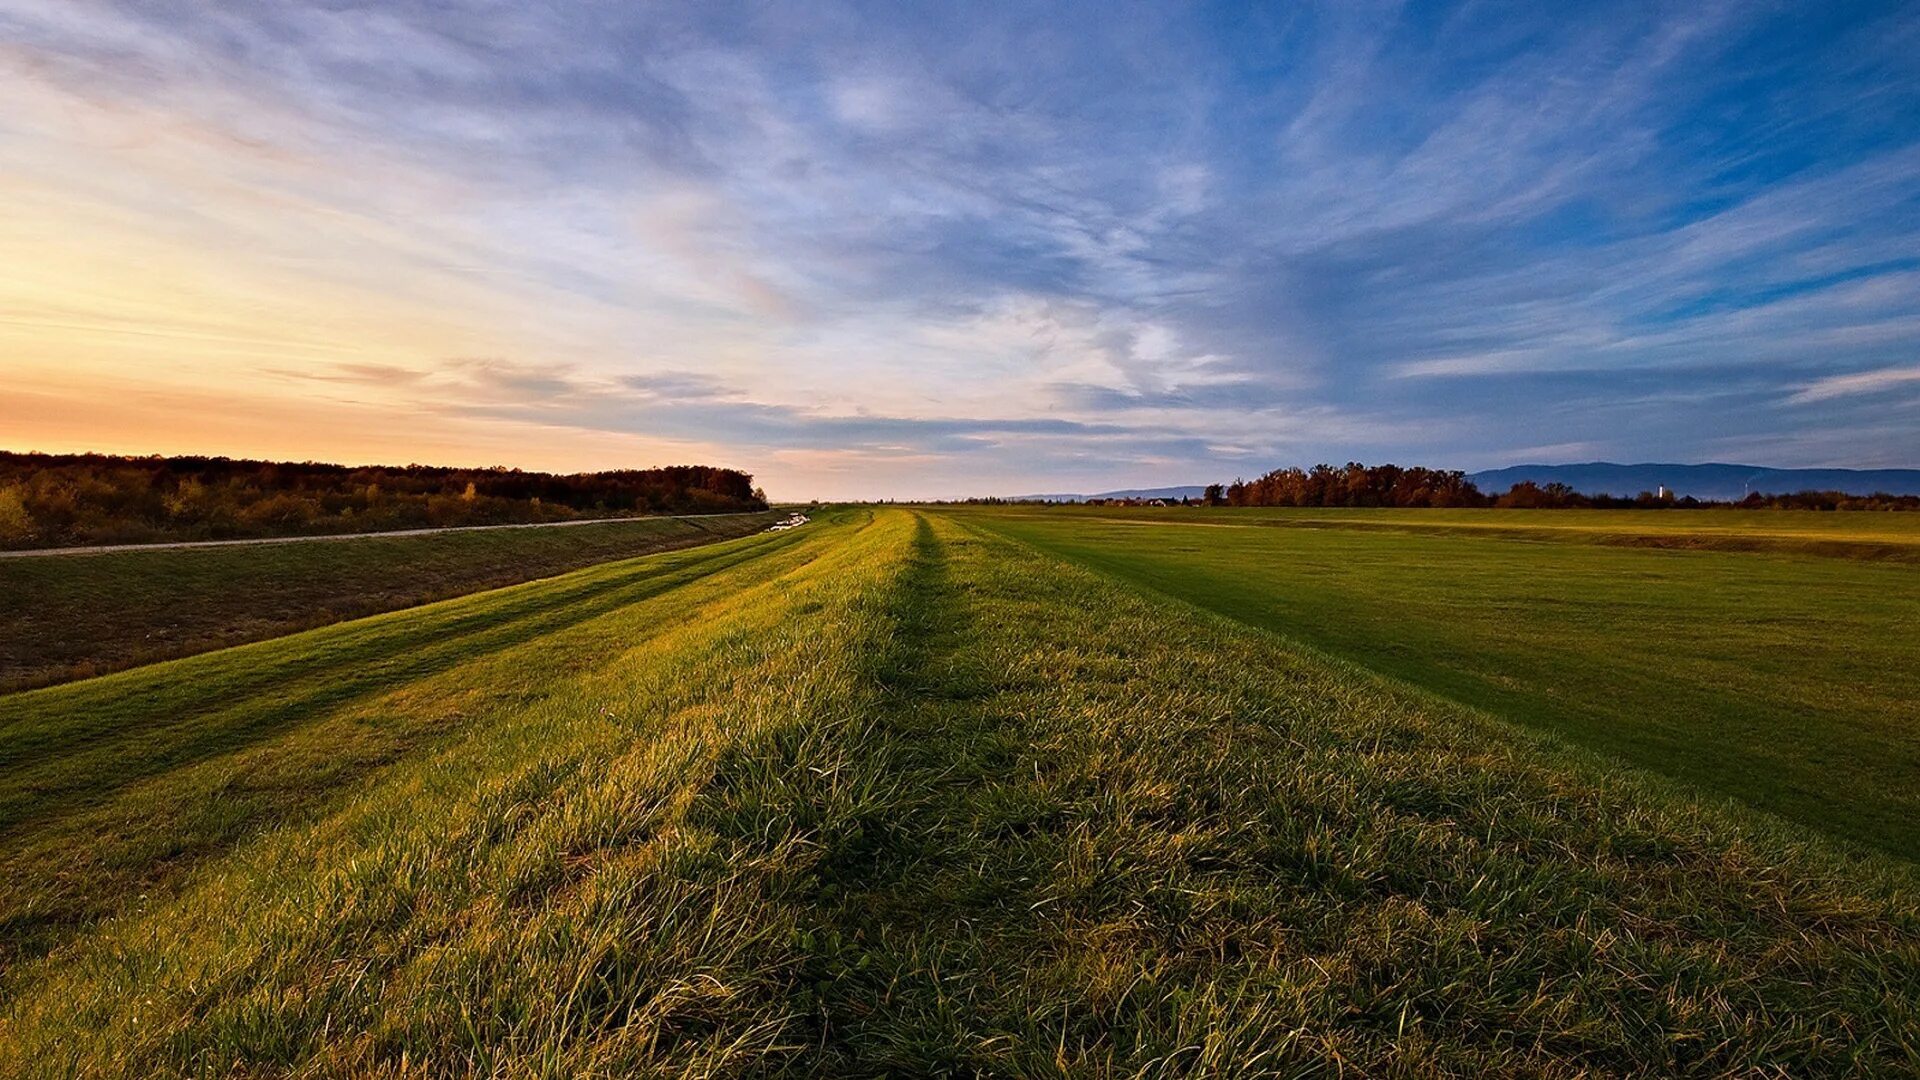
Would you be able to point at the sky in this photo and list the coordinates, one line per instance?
(927, 250)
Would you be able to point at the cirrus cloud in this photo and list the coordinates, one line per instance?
(1038, 248)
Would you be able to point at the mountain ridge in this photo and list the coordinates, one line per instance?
(1715, 480)
(1185, 491)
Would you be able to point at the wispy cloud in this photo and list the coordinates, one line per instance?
(990, 242)
(1863, 382)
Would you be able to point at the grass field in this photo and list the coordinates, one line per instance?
(890, 794)
(67, 617)
(1893, 537)
(1760, 664)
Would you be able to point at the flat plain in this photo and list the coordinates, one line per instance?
(1772, 656)
(934, 793)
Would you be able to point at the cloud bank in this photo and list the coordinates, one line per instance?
(886, 250)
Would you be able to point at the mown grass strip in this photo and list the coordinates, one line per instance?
(112, 786)
(69, 617)
(936, 804)
(1790, 682)
(1859, 535)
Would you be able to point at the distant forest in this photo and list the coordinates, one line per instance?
(1356, 485)
(52, 500)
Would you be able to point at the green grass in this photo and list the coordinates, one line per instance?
(111, 785)
(894, 795)
(1782, 676)
(68, 617)
(1854, 535)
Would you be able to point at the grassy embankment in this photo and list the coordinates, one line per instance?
(903, 797)
(71, 616)
(1771, 656)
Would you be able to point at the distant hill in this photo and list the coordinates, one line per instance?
(1710, 481)
(1191, 491)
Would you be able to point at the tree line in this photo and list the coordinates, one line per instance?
(1530, 496)
(1354, 485)
(1358, 485)
(52, 500)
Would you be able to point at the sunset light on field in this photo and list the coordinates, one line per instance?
(831, 538)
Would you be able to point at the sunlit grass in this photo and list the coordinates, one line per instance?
(68, 617)
(1788, 679)
(1886, 536)
(114, 784)
(903, 797)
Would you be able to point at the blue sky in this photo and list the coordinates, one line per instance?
(932, 250)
